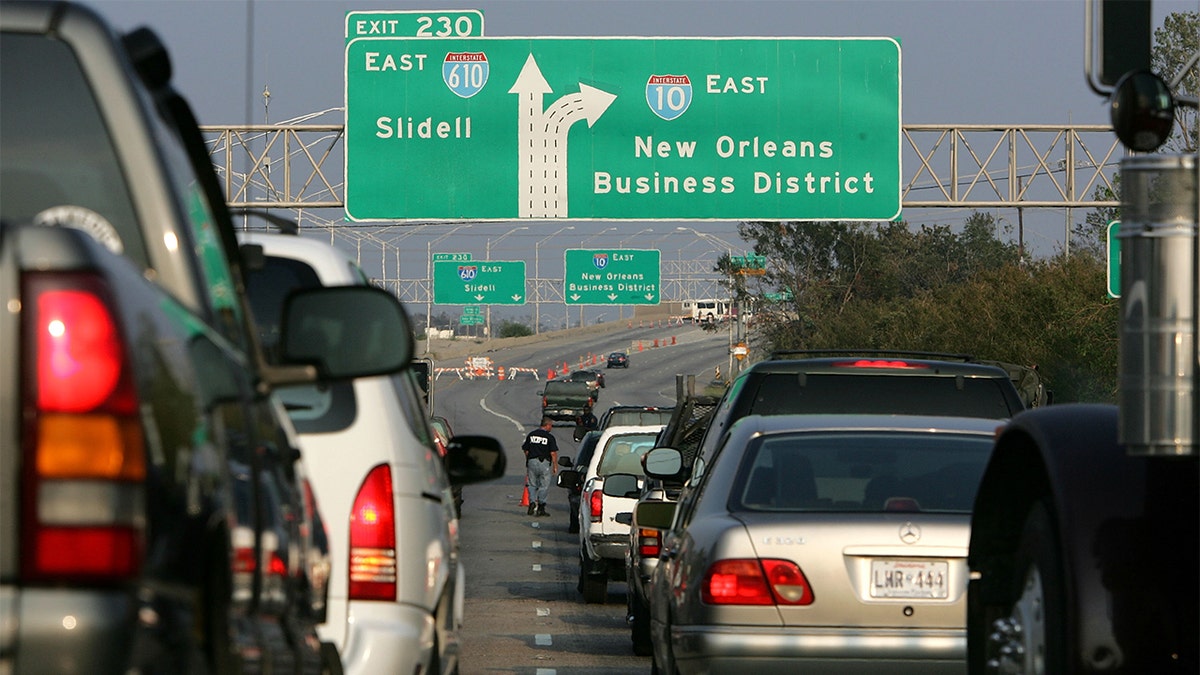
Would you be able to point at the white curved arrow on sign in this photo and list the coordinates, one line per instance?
(542, 140)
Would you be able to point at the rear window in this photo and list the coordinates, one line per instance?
(791, 393)
(314, 408)
(623, 454)
(638, 418)
(868, 471)
(57, 147)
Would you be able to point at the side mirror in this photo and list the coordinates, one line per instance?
(622, 485)
(569, 479)
(346, 331)
(563, 460)
(473, 459)
(663, 463)
(1142, 111)
(624, 518)
(658, 515)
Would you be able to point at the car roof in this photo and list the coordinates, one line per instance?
(881, 364)
(334, 266)
(765, 424)
(628, 429)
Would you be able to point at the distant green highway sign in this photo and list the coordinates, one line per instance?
(611, 277)
(483, 282)
(622, 128)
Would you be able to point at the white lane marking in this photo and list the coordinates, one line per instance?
(543, 611)
(545, 671)
(536, 524)
(537, 567)
(518, 425)
(542, 640)
(537, 544)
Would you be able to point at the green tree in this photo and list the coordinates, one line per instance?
(1175, 43)
(889, 286)
(510, 329)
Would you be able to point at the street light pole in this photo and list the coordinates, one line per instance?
(537, 279)
(488, 314)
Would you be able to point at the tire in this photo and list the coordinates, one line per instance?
(1028, 633)
(594, 587)
(639, 625)
(218, 593)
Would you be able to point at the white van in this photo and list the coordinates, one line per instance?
(396, 592)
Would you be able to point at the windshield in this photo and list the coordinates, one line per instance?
(623, 454)
(872, 471)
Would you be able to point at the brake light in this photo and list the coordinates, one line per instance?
(372, 561)
(878, 363)
(595, 505)
(755, 582)
(649, 542)
(83, 516)
(244, 562)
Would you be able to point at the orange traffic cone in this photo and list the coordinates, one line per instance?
(525, 495)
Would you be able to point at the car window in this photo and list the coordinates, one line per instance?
(57, 148)
(861, 471)
(313, 408)
(791, 393)
(623, 454)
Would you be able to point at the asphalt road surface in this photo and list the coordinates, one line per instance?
(523, 612)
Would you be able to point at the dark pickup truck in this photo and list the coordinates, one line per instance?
(566, 400)
(154, 513)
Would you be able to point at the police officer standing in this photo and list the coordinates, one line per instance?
(541, 462)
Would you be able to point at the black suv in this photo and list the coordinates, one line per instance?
(154, 513)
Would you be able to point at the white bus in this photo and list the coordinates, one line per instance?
(709, 310)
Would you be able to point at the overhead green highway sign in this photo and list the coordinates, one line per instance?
(611, 277)
(496, 128)
(483, 282)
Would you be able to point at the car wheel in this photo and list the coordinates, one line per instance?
(594, 587)
(639, 625)
(1030, 634)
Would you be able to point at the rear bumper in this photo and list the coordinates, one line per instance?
(69, 631)
(609, 546)
(721, 649)
(382, 637)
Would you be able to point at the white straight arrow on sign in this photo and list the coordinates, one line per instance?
(542, 140)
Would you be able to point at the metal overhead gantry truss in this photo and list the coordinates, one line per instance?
(299, 166)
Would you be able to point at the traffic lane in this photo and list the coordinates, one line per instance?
(523, 612)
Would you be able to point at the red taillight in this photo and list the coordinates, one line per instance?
(595, 505)
(83, 516)
(244, 562)
(878, 363)
(755, 582)
(649, 542)
(373, 539)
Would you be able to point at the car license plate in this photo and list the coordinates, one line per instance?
(910, 579)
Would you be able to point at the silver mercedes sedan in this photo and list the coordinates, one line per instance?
(829, 543)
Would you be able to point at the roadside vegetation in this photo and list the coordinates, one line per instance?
(894, 286)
